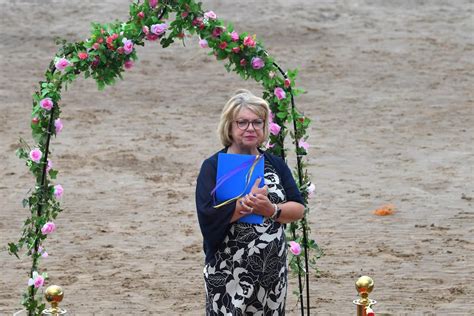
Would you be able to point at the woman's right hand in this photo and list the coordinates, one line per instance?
(249, 202)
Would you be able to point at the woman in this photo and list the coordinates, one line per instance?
(245, 267)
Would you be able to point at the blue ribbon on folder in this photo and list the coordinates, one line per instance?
(236, 174)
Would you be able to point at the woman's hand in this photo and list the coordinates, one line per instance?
(257, 201)
(256, 190)
(259, 204)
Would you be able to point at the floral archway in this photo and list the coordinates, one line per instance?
(110, 50)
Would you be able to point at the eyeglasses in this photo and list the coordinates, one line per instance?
(244, 124)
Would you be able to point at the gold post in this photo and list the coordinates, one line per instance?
(54, 295)
(364, 286)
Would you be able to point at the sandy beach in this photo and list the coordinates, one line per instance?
(389, 86)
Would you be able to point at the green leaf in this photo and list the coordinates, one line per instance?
(53, 174)
(21, 153)
(102, 57)
(13, 249)
(100, 85)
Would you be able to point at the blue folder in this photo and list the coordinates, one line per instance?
(236, 184)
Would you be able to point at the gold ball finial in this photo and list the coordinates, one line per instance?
(364, 286)
(54, 295)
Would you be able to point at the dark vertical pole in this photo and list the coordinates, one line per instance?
(305, 237)
(43, 191)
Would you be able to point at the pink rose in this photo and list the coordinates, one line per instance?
(46, 103)
(41, 251)
(35, 120)
(236, 49)
(271, 117)
(37, 280)
(216, 32)
(203, 43)
(62, 63)
(127, 46)
(234, 36)
(152, 37)
(128, 64)
(49, 165)
(303, 144)
(141, 15)
(295, 248)
(95, 46)
(197, 21)
(223, 45)
(269, 145)
(36, 155)
(310, 189)
(48, 228)
(58, 191)
(184, 14)
(287, 83)
(243, 62)
(82, 55)
(95, 62)
(279, 93)
(153, 3)
(58, 125)
(257, 63)
(249, 41)
(145, 30)
(159, 29)
(274, 128)
(210, 15)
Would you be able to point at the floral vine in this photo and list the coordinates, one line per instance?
(110, 50)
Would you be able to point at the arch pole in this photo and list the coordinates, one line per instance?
(303, 221)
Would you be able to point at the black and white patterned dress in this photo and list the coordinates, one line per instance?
(249, 274)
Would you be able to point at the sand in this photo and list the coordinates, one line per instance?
(390, 91)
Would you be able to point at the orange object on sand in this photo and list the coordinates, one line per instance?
(385, 210)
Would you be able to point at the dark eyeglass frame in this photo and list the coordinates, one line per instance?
(247, 124)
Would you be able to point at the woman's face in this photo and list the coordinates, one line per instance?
(247, 129)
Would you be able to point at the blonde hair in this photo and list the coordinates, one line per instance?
(242, 99)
